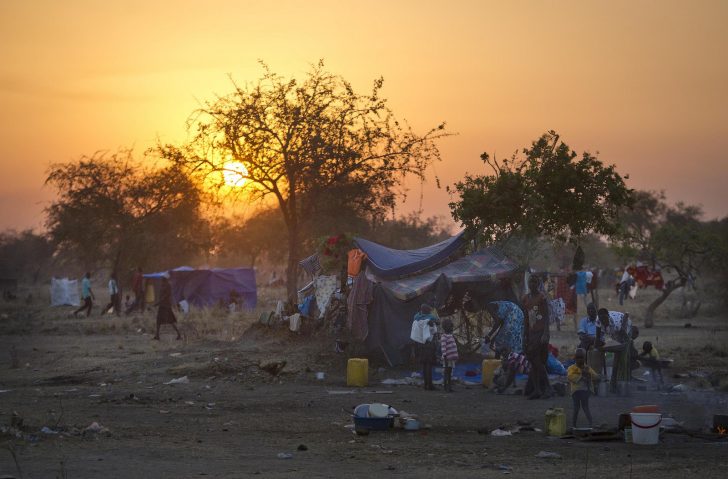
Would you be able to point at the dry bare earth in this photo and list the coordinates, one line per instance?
(233, 418)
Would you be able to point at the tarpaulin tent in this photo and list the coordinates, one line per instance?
(64, 292)
(389, 263)
(484, 275)
(208, 287)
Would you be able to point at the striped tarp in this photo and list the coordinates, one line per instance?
(485, 265)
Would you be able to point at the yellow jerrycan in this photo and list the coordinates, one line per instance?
(357, 372)
(555, 422)
(487, 371)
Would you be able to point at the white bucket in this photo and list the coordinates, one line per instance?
(646, 427)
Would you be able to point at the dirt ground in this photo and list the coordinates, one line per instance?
(234, 417)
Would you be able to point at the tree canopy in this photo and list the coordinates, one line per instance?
(113, 212)
(672, 238)
(548, 191)
(310, 145)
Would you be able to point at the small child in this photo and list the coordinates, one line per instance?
(651, 358)
(449, 352)
(581, 379)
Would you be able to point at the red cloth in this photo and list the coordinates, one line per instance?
(564, 291)
(449, 347)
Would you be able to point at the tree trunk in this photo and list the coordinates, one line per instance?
(670, 286)
(292, 270)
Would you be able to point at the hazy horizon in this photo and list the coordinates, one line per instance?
(642, 83)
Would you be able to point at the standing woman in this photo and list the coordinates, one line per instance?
(536, 340)
(87, 295)
(165, 313)
(507, 330)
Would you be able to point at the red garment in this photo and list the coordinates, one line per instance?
(136, 283)
(564, 291)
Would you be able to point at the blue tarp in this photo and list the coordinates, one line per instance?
(388, 263)
(207, 287)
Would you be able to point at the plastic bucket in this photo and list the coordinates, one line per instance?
(646, 428)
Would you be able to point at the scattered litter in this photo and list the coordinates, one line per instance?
(190, 403)
(72, 390)
(5, 390)
(94, 395)
(47, 430)
(96, 428)
(548, 455)
(284, 455)
(679, 388)
(320, 376)
(352, 391)
(399, 382)
(504, 467)
(500, 433)
(175, 355)
(182, 380)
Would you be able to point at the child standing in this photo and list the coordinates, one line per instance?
(449, 352)
(581, 378)
(651, 358)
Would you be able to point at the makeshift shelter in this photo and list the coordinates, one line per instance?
(484, 276)
(64, 292)
(209, 287)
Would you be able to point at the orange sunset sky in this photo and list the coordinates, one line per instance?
(644, 83)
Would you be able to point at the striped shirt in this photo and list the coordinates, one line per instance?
(449, 347)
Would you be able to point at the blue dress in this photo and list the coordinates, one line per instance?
(510, 335)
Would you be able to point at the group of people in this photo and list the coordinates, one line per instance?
(520, 338)
(165, 311)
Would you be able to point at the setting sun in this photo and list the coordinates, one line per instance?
(235, 174)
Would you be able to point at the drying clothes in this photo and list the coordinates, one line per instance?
(307, 306)
(356, 256)
(325, 287)
(311, 265)
(358, 307)
(557, 310)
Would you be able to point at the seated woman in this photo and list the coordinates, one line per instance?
(507, 330)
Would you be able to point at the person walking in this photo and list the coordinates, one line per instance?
(87, 295)
(114, 297)
(137, 286)
(165, 313)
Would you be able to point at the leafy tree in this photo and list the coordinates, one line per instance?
(113, 212)
(670, 237)
(307, 144)
(549, 191)
(24, 255)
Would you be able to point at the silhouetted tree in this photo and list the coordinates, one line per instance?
(306, 144)
(113, 212)
(548, 192)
